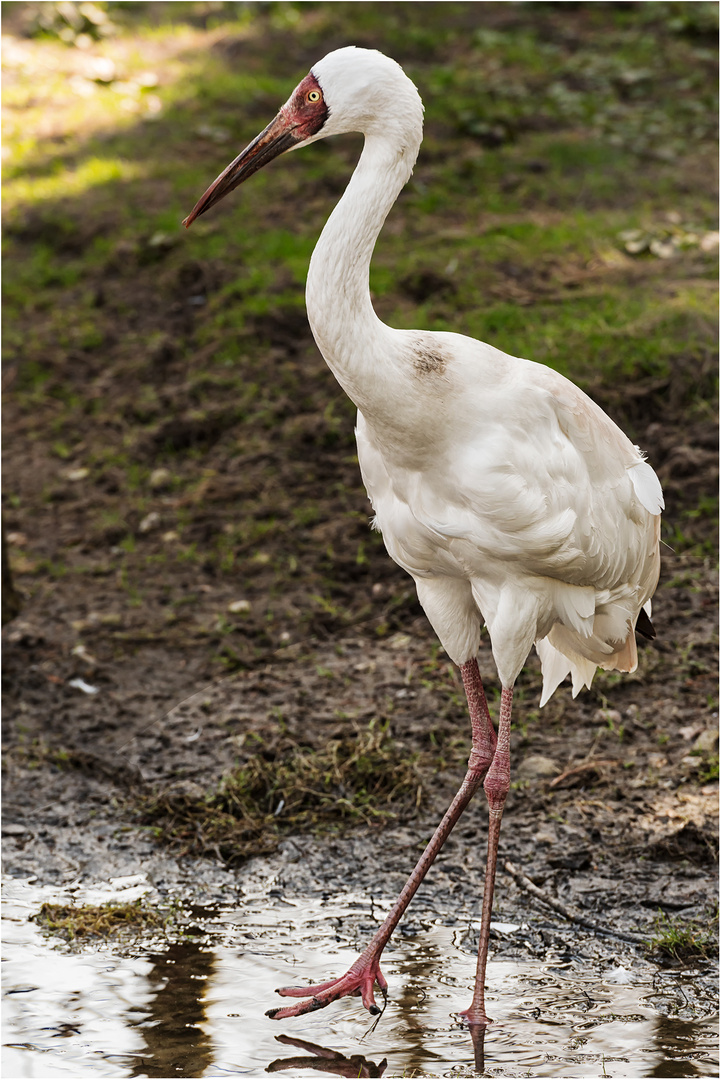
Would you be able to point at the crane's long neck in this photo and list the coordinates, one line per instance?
(354, 342)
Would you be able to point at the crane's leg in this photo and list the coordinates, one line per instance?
(365, 972)
(496, 785)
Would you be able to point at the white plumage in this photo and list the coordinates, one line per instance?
(508, 495)
(503, 489)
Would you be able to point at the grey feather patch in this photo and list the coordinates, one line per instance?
(428, 359)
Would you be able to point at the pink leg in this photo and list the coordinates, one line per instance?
(496, 786)
(365, 972)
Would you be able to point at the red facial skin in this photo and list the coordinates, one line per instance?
(308, 115)
(303, 116)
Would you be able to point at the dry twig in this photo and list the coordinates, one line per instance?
(526, 884)
(586, 766)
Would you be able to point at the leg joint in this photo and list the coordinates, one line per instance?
(479, 760)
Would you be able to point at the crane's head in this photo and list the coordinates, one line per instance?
(350, 89)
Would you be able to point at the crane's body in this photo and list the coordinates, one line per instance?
(508, 495)
(509, 522)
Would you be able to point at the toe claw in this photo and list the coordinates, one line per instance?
(358, 981)
(285, 1012)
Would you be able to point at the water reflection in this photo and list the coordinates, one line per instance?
(175, 1041)
(325, 1060)
(675, 1069)
(425, 988)
(196, 1008)
(478, 1041)
(679, 1042)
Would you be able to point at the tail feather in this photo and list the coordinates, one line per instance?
(556, 665)
(626, 659)
(559, 659)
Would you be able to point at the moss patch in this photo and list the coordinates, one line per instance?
(104, 921)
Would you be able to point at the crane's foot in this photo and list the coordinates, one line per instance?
(358, 981)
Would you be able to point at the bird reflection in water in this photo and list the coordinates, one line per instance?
(478, 1038)
(328, 1061)
(337, 1064)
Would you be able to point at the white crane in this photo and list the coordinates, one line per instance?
(507, 494)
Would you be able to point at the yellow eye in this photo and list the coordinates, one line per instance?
(313, 96)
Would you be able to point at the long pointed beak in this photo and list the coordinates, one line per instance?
(278, 137)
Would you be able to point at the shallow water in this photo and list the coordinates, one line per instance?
(196, 1008)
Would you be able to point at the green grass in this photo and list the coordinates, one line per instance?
(684, 942)
(568, 152)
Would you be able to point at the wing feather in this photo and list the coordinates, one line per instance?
(522, 482)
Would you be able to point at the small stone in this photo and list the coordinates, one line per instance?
(150, 521)
(545, 836)
(609, 717)
(160, 239)
(707, 741)
(76, 474)
(239, 607)
(662, 249)
(536, 767)
(290, 851)
(13, 830)
(160, 478)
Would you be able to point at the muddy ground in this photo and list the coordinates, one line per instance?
(129, 674)
(627, 836)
